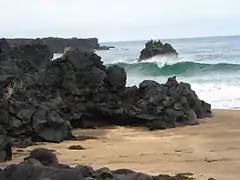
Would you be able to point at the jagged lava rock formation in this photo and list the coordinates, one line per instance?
(41, 100)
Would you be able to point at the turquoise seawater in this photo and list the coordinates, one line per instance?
(210, 65)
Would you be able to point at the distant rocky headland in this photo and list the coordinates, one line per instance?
(57, 45)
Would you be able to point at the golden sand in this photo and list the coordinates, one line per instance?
(211, 149)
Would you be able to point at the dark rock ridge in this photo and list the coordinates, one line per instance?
(4, 47)
(38, 168)
(155, 48)
(5, 149)
(105, 47)
(57, 45)
(41, 100)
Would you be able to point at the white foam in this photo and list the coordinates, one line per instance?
(55, 56)
(219, 95)
(162, 61)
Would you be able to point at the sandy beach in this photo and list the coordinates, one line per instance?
(211, 149)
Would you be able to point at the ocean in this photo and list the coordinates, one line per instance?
(211, 65)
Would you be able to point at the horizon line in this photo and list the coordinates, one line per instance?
(174, 38)
(133, 40)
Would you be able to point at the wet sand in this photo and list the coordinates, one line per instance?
(211, 149)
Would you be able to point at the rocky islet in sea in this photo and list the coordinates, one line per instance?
(157, 48)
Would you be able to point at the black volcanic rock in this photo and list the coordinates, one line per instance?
(33, 56)
(57, 45)
(21, 62)
(5, 149)
(4, 46)
(116, 77)
(45, 156)
(77, 71)
(155, 48)
(105, 47)
(25, 112)
(5, 67)
(42, 99)
(35, 169)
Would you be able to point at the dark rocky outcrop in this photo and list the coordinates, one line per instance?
(76, 147)
(57, 45)
(5, 149)
(4, 46)
(35, 169)
(4, 49)
(21, 62)
(116, 78)
(41, 100)
(45, 156)
(156, 48)
(105, 47)
(23, 109)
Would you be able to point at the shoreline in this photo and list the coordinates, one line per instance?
(229, 109)
(210, 149)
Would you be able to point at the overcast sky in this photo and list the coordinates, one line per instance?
(119, 20)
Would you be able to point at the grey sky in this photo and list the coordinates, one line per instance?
(119, 20)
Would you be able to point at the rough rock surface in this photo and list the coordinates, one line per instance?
(33, 169)
(4, 46)
(5, 149)
(116, 78)
(4, 49)
(23, 109)
(45, 156)
(154, 48)
(41, 100)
